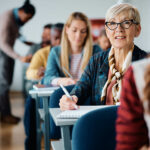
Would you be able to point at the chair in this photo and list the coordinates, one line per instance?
(95, 130)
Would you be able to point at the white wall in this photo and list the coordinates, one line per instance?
(51, 11)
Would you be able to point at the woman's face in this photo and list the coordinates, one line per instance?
(120, 37)
(77, 33)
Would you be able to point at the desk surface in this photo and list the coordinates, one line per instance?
(40, 92)
(60, 122)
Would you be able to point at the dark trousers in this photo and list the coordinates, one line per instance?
(30, 119)
(30, 124)
(6, 76)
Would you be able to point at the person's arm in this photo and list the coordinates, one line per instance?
(36, 63)
(130, 125)
(53, 74)
(5, 32)
(53, 69)
(82, 89)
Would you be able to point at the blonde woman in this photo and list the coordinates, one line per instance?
(67, 61)
(133, 122)
(101, 80)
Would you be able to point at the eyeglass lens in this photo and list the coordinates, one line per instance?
(125, 24)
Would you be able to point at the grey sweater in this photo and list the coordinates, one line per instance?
(9, 31)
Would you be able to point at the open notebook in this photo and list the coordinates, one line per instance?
(74, 114)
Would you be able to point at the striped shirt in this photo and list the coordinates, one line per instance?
(75, 68)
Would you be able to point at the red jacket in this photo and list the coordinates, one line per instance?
(131, 128)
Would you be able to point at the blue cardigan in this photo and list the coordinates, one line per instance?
(95, 76)
(53, 69)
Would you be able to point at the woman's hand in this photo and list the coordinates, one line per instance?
(66, 81)
(68, 104)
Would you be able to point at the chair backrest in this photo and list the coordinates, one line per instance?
(95, 130)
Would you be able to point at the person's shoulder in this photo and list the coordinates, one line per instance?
(7, 16)
(7, 13)
(55, 50)
(96, 49)
(138, 51)
(43, 50)
(101, 54)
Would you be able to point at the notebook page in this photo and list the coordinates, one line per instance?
(74, 114)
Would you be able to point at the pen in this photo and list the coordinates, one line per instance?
(67, 94)
(67, 73)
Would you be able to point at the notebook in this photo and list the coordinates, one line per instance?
(74, 114)
(43, 87)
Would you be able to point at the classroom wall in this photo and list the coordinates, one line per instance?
(58, 11)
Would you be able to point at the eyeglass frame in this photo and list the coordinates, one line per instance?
(132, 22)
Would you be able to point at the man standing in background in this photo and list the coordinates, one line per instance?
(10, 23)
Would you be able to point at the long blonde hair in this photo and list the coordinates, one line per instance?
(65, 45)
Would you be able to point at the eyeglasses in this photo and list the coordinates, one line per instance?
(125, 24)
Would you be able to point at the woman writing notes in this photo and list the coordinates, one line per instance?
(67, 61)
(101, 80)
(73, 54)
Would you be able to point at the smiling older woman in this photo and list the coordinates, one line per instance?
(101, 80)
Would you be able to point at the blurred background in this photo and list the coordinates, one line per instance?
(49, 11)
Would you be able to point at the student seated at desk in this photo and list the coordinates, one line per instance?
(73, 54)
(39, 61)
(35, 72)
(71, 57)
(133, 122)
(101, 79)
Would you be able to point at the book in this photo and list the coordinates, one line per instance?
(43, 87)
(75, 114)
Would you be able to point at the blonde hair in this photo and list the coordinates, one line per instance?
(124, 7)
(65, 44)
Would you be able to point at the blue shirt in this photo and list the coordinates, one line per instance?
(53, 69)
(95, 76)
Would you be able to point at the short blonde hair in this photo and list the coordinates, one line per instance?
(65, 44)
(124, 7)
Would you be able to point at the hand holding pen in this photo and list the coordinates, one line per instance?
(66, 80)
(67, 101)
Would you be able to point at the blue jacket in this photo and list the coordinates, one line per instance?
(95, 76)
(53, 69)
